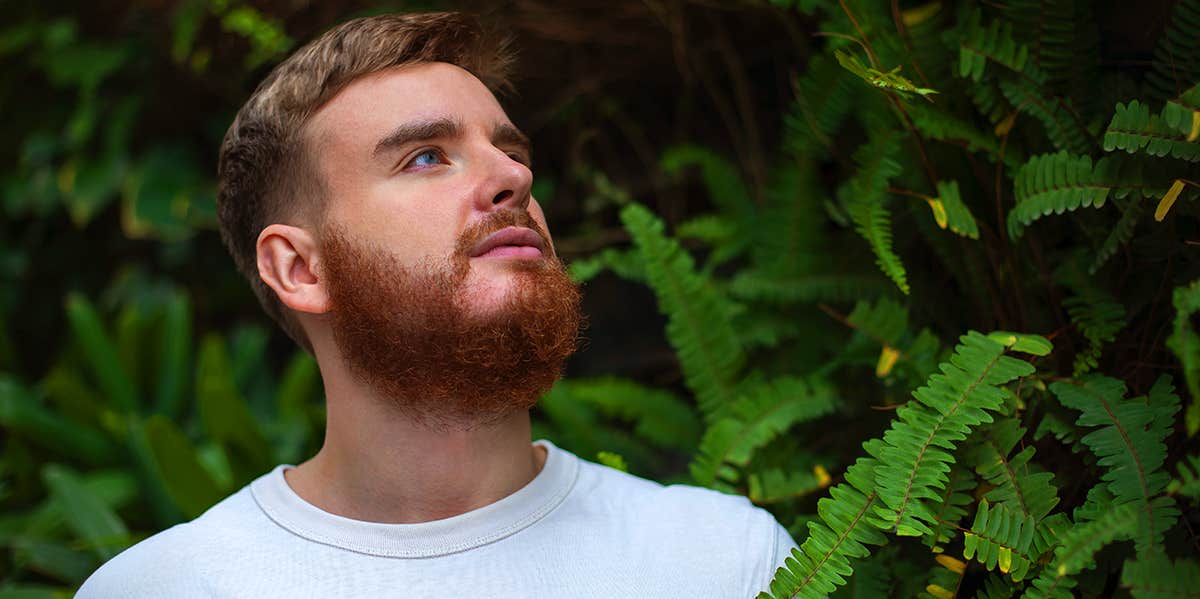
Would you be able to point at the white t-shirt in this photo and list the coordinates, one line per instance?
(578, 529)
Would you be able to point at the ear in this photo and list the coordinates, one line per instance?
(289, 262)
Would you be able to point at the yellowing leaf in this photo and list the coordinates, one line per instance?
(939, 211)
(1195, 126)
(823, 478)
(887, 359)
(920, 14)
(939, 592)
(1005, 559)
(1168, 200)
(1003, 127)
(951, 564)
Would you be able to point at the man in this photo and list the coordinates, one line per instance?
(378, 199)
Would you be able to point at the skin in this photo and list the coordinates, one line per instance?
(377, 465)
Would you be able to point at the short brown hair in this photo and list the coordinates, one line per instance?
(265, 173)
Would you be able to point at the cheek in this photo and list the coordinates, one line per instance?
(535, 210)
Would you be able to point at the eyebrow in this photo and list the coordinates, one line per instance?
(416, 132)
(419, 131)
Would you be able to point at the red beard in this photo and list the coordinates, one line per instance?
(407, 334)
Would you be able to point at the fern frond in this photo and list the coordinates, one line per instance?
(1098, 316)
(885, 321)
(775, 485)
(997, 587)
(698, 317)
(802, 288)
(871, 579)
(825, 94)
(1177, 55)
(1160, 577)
(937, 124)
(1183, 113)
(1018, 484)
(950, 507)
(1120, 235)
(864, 196)
(764, 410)
(1077, 546)
(918, 447)
(955, 214)
(1185, 343)
(626, 264)
(1062, 39)
(726, 189)
(823, 561)
(1188, 482)
(658, 416)
(1129, 444)
(1055, 183)
(1001, 537)
(1134, 129)
(980, 45)
(891, 80)
(1058, 115)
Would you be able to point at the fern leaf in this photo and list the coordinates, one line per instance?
(1001, 537)
(958, 217)
(871, 580)
(1099, 317)
(823, 561)
(658, 416)
(1129, 443)
(1058, 115)
(803, 288)
(698, 317)
(885, 321)
(774, 485)
(1177, 55)
(1186, 344)
(1159, 577)
(994, 43)
(891, 80)
(1055, 183)
(1134, 129)
(825, 94)
(725, 186)
(917, 448)
(1077, 546)
(1188, 483)
(936, 124)
(1018, 484)
(864, 196)
(996, 587)
(1121, 233)
(950, 507)
(623, 263)
(763, 412)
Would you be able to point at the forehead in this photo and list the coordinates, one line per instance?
(374, 104)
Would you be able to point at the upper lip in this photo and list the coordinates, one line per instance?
(509, 236)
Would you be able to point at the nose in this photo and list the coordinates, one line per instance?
(508, 184)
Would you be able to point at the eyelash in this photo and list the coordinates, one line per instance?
(516, 156)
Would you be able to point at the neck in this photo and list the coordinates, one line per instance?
(378, 465)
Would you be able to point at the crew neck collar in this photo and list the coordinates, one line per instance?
(465, 531)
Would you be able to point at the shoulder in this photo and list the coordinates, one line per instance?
(703, 528)
(175, 562)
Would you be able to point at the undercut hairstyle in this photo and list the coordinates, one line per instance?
(265, 172)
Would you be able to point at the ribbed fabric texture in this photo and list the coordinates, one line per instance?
(578, 529)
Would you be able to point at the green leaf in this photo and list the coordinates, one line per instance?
(225, 414)
(101, 354)
(175, 355)
(185, 478)
(891, 80)
(86, 514)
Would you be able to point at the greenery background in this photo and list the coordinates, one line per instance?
(754, 350)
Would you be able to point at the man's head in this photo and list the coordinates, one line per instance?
(378, 198)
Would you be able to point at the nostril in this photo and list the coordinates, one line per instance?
(500, 197)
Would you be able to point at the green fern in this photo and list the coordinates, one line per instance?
(1177, 55)
(623, 263)
(1159, 577)
(1130, 444)
(1121, 233)
(1099, 317)
(950, 507)
(822, 562)
(726, 189)
(825, 95)
(1134, 129)
(884, 322)
(1018, 484)
(1001, 537)
(864, 197)
(1186, 344)
(1188, 482)
(980, 45)
(1063, 125)
(658, 416)
(764, 410)
(1182, 113)
(917, 448)
(698, 317)
(775, 485)
(1077, 545)
(955, 214)
(937, 124)
(1056, 183)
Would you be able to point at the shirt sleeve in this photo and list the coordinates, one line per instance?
(783, 549)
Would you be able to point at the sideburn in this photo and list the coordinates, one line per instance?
(409, 335)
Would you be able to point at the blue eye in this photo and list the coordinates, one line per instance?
(427, 158)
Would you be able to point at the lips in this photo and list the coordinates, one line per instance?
(516, 242)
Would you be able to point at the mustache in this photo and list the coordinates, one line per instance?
(494, 221)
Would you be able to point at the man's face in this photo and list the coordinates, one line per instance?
(447, 298)
(414, 157)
